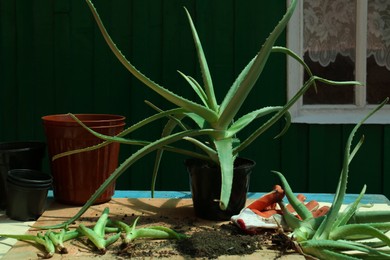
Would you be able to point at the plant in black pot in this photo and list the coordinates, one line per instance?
(212, 126)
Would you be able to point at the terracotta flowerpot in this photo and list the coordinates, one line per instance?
(27, 193)
(206, 188)
(18, 155)
(76, 177)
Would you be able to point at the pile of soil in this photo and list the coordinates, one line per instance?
(205, 239)
(207, 243)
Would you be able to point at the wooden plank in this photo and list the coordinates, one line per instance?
(294, 157)
(8, 68)
(43, 69)
(177, 53)
(24, 60)
(62, 57)
(214, 22)
(252, 26)
(116, 15)
(325, 157)
(386, 162)
(80, 91)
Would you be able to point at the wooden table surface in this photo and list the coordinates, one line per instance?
(165, 205)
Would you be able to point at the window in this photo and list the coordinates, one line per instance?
(341, 40)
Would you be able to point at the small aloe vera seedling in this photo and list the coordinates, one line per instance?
(40, 239)
(58, 238)
(153, 232)
(98, 233)
(334, 235)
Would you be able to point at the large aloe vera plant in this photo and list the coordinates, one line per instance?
(336, 235)
(216, 126)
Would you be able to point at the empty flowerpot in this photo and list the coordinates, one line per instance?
(27, 193)
(18, 155)
(76, 177)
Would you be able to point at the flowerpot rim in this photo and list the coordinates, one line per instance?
(20, 146)
(19, 179)
(92, 120)
(245, 162)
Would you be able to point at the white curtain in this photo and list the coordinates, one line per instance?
(329, 29)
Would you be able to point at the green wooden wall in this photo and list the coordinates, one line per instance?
(54, 60)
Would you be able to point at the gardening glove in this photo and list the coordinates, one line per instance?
(264, 213)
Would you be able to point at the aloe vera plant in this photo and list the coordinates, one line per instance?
(335, 235)
(153, 232)
(50, 240)
(216, 126)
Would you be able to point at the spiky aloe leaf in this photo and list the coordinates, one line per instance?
(246, 80)
(247, 119)
(357, 229)
(226, 162)
(207, 81)
(153, 146)
(325, 229)
(209, 114)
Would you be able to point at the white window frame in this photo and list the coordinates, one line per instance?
(331, 114)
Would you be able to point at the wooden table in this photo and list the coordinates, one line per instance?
(165, 208)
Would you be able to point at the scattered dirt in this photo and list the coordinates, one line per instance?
(206, 239)
(203, 242)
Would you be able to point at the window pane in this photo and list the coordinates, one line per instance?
(378, 51)
(329, 48)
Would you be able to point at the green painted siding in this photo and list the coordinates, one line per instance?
(54, 60)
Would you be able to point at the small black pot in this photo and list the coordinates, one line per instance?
(18, 155)
(206, 188)
(27, 193)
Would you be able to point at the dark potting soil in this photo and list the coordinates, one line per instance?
(206, 243)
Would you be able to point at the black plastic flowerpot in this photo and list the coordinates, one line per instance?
(27, 193)
(205, 183)
(18, 155)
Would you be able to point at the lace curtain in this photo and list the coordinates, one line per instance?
(329, 29)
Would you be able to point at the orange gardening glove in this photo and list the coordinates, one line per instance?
(265, 213)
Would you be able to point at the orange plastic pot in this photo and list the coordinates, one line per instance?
(76, 177)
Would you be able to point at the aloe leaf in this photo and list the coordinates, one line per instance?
(298, 206)
(292, 221)
(208, 83)
(111, 139)
(226, 159)
(328, 254)
(287, 106)
(346, 215)
(98, 241)
(374, 244)
(212, 154)
(245, 120)
(352, 229)
(208, 114)
(168, 128)
(370, 216)
(158, 144)
(296, 57)
(101, 223)
(196, 87)
(342, 186)
(240, 89)
(340, 245)
(176, 117)
(381, 226)
(123, 133)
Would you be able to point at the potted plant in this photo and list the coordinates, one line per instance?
(212, 126)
